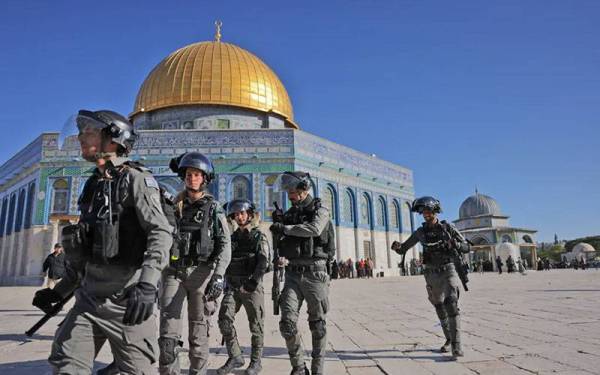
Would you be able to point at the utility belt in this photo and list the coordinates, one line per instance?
(429, 269)
(189, 262)
(303, 268)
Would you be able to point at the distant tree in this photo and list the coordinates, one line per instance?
(552, 252)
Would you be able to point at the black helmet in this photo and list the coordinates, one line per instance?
(113, 124)
(429, 203)
(239, 205)
(193, 160)
(292, 181)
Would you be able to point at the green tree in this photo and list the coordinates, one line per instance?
(553, 252)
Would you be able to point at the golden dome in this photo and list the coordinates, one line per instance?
(214, 73)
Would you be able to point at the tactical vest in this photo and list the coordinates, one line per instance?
(111, 232)
(318, 247)
(435, 248)
(244, 251)
(195, 224)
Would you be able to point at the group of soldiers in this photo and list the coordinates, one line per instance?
(136, 247)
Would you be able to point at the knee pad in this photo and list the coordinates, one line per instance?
(318, 328)
(441, 311)
(168, 350)
(451, 305)
(288, 329)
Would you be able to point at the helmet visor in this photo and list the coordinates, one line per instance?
(286, 182)
(238, 205)
(79, 128)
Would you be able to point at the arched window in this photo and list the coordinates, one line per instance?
(11, 215)
(329, 201)
(348, 208)
(479, 241)
(395, 215)
(240, 188)
(506, 238)
(3, 216)
(527, 239)
(60, 197)
(30, 203)
(271, 196)
(20, 208)
(407, 219)
(380, 212)
(365, 209)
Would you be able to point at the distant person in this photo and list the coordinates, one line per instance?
(480, 266)
(335, 271)
(54, 266)
(510, 264)
(499, 264)
(520, 266)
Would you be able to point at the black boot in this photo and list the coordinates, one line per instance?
(300, 370)
(111, 369)
(254, 368)
(446, 347)
(454, 325)
(232, 363)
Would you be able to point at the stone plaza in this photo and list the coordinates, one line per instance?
(546, 322)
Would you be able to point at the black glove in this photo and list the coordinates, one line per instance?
(250, 285)
(44, 299)
(277, 228)
(277, 216)
(214, 288)
(140, 303)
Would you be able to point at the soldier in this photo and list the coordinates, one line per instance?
(115, 255)
(439, 240)
(306, 244)
(250, 256)
(198, 262)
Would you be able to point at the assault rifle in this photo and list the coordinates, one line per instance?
(462, 268)
(278, 271)
(51, 313)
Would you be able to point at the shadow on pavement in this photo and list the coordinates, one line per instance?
(563, 290)
(23, 338)
(39, 367)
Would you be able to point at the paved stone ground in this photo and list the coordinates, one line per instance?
(542, 323)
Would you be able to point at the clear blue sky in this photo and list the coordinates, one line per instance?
(503, 96)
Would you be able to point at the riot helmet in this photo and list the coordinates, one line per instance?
(104, 123)
(193, 160)
(427, 202)
(239, 205)
(292, 181)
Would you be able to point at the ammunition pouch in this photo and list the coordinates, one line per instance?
(106, 241)
(75, 242)
(292, 247)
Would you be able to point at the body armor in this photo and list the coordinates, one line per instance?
(110, 232)
(317, 247)
(244, 248)
(435, 248)
(195, 221)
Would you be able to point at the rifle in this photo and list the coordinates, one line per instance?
(54, 310)
(462, 268)
(278, 271)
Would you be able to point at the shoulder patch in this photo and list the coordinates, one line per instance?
(151, 182)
